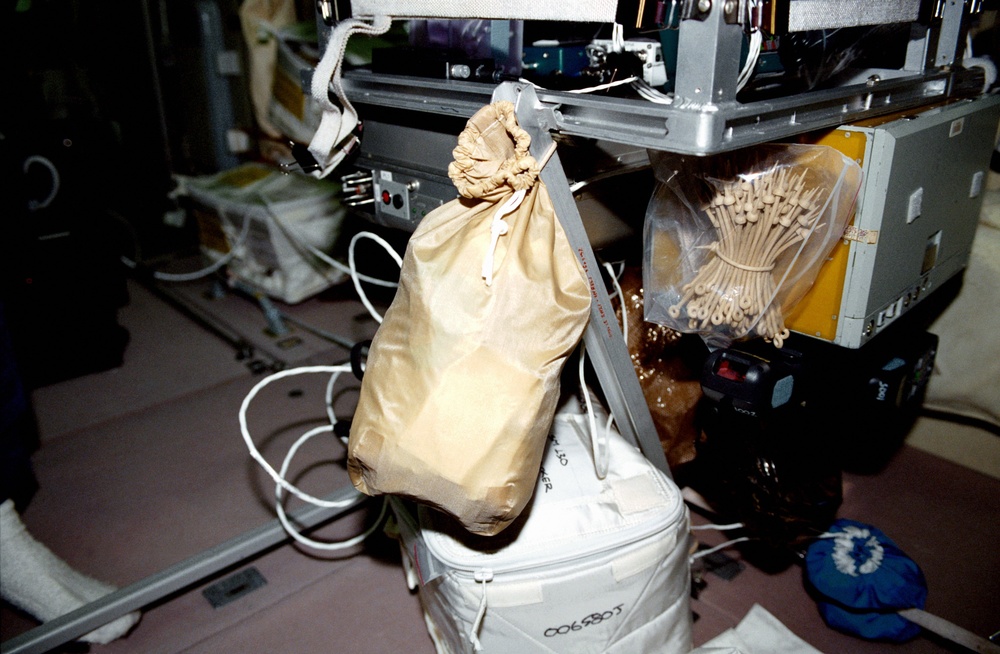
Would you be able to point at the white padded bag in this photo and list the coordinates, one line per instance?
(592, 565)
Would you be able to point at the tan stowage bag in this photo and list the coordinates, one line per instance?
(462, 378)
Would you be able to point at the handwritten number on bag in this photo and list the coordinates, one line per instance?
(591, 620)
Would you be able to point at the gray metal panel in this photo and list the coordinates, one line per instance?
(952, 20)
(919, 183)
(421, 194)
(708, 59)
(415, 148)
(923, 155)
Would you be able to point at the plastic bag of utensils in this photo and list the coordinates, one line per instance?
(732, 241)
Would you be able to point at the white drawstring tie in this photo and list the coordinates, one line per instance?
(498, 228)
(481, 576)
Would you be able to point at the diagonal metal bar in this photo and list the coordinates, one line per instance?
(173, 579)
(603, 338)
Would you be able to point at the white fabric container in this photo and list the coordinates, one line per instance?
(592, 565)
(266, 225)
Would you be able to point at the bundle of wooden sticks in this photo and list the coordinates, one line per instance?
(756, 219)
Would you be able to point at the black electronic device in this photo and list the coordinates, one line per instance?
(779, 427)
(748, 383)
(435, 63)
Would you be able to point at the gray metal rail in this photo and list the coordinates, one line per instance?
(173, 579)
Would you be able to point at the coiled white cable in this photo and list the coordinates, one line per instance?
(281, 484)
(255, 453)
(295, 533)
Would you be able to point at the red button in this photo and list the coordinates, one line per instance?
(386, 197)
(726, 371)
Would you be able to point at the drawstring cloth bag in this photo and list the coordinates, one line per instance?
(862, 578)
(462, 378)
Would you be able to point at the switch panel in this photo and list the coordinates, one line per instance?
(392, 198)
(403, 199)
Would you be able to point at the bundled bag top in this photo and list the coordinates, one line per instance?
(462, 378)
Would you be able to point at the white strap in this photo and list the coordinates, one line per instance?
(335, 136)
(499, 227)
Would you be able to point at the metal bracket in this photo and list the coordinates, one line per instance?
(603, 338)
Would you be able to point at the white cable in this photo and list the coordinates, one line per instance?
(328, 399)
(206, 271)
(35, 205)
(713, 550)
(196, 274)
(279, 477)
(283, 518)
(255, 453)
(344, 268)
(733, 525)
(354, 277)
(599, 441)
(649, 93)
(755, 46)
(589, 89)
(753, 55)
(330, 545)
(621, 299)
(602, 87)
(184, 277)
(617, 37)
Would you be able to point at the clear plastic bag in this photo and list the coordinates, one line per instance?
(733, 241)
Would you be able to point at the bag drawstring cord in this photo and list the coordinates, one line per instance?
(481, 576)
(498, 228)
